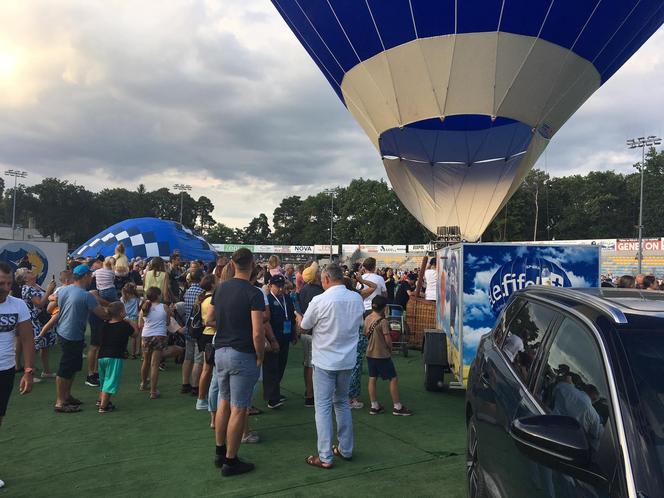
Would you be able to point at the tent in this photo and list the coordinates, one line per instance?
(147, 238)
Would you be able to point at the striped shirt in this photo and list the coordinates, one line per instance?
(105, 279)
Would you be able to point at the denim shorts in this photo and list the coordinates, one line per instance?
(237, 374)
(191, 352)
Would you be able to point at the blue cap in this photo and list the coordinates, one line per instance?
(278, 280)
(81, 270)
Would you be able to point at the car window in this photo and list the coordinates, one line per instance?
(504, 320)
(572, 382)
(525, 333)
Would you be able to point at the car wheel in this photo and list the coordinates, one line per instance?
(474, 476)
(434, 377)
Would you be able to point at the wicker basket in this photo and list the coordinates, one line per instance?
(420, 316)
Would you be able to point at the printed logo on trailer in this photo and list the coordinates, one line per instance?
(14, 252)
(520, 273)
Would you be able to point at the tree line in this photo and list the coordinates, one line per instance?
(600, 204)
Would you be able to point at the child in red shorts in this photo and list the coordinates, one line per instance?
(379, 358)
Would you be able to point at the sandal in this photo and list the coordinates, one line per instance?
(315, 461)
(73, 401)
(67, 409)
(143, 386)
(155, 395)
(337, 452)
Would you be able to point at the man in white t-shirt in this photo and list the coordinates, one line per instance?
(14, 321)
(369, 273)
(431, 281)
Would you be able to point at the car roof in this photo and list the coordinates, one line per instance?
(618, 304)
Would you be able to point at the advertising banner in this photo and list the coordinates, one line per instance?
(47, 258)
(633, 245)
(301, 249)
(325, 249)
(362, 248)
(418, 248)
(393, 249)
(492, 273)
(231, 247)
(447, 304)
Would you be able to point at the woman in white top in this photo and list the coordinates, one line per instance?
(153, 321)
(431, 281)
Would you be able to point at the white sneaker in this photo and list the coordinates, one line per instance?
(45, 375)
(201, 404)
(356, 405)
(2, 483)
(36, 380)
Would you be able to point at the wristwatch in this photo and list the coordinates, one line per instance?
(29, 370)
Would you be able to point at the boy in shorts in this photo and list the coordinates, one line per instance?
(115, 334)
(379, 352)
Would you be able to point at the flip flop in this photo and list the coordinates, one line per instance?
(314, 461)
(337, 452)
(67, 409)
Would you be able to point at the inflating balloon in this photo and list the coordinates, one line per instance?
(461, 97)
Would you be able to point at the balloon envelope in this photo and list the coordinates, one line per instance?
(461, 97)
(147, 238)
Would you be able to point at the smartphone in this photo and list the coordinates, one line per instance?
(53, 277)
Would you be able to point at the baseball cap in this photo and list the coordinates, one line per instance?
(81, 270)
(277, 280)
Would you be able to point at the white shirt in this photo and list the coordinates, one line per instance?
(431, 281)
(154, 322)
(380, 288)
(12, 312)
(334, 317)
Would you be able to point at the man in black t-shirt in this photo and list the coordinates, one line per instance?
(237, 312)
(405, 290)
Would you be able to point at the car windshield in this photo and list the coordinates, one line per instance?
(645, 352)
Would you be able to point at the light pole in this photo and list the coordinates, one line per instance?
(332, 193)
(182, 188)
(635, 143)
(16, 174)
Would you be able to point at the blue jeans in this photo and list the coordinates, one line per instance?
(213, 392)
(331, 390)
(237, 374)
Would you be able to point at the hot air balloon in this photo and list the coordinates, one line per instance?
(461, 97)
(148, 238)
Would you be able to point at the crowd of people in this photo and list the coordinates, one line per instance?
(229, 324)
(640, 281)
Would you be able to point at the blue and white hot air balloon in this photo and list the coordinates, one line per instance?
(148, 238)
(461, 97)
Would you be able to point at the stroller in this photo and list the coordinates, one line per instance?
(396, 318)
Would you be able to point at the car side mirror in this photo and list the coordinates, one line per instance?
(558, 442)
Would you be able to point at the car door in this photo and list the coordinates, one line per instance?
(572, 381)
(501, 394)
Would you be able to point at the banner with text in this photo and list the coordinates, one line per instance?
(633, 245)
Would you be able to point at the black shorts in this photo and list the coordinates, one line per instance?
(96, 325)
(381, 367)
(71, 360)
(205, 345)
(6, 386)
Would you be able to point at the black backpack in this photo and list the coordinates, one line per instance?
(196, 323)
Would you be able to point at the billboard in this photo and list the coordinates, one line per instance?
(477, 280)
(47, 258)
(633, 245)
(325, 249)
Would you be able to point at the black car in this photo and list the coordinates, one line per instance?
(565, 397)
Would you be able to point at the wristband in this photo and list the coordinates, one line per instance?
(29, 371)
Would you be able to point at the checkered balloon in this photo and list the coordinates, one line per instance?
(147, 238)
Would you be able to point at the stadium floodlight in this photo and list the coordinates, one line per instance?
(642, 143)
(182, 188)
(16, 174)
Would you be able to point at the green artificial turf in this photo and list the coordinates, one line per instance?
(165, 448)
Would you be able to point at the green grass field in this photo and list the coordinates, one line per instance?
(165, 448)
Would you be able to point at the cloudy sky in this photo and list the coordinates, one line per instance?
(219, 94)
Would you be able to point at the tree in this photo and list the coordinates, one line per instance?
(288, 221)
(258, 231)
(220, 234)
(204, 219)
